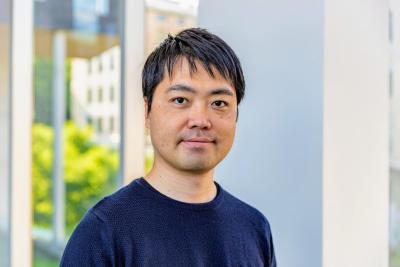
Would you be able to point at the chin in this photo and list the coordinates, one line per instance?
(197, 166)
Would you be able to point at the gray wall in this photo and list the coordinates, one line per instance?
(276, 162)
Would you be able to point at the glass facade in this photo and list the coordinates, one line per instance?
(5, 33)
(75, 152)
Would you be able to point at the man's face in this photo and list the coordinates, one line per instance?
(192, 120)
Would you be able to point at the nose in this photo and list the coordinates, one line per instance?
(199, 117)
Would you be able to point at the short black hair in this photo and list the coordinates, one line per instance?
(192, 44)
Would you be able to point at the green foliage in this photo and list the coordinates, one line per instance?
(148, 161)
(43, 76)
(41, 259)
(395, 257)
(42, 156)
(90, 172)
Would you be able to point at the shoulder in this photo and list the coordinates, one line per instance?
(91, 244)
(246, 211)
(95, 238)
(118, 204)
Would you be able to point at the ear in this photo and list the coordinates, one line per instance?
(146, 113)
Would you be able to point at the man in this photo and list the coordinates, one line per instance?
(177, 215)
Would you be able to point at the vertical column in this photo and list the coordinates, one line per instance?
(21, 124)
(5, 130)
(132, 111)
(394, 242)
(59, 53)
(356, 123)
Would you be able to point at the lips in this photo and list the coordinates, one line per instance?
(198, 142)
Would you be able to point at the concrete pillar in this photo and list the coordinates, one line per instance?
(21, 134)
(59, 54)
(132, 111)
(356, 124)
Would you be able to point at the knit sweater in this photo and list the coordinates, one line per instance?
(139, 226)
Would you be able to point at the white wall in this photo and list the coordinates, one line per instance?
(312, 143)
(394, 157)
(395, 66)
(356, 110)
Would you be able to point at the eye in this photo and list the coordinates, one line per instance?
(219, 104)
(179, 100)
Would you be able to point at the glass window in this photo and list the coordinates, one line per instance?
(100, 65)
(100, 125)
(112, 93)
(89, 120)
(89, 96)
(111, 124)
(5, 31)
(111, 62)
(73, 41)
(100, 95)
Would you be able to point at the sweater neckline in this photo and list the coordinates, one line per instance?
(212, 204)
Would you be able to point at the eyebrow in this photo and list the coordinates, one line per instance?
(186, 88)
(221, 91)
(181, 88)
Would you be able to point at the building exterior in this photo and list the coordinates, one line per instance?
(167, 17)
(95, 94)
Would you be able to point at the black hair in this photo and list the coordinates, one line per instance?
(192, 44)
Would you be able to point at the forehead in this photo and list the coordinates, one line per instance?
(183, 72)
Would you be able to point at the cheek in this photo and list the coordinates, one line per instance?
(164, 130)
(226, 130)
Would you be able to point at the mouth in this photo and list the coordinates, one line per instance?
(198, 142)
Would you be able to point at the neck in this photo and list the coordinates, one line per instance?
(182, 186)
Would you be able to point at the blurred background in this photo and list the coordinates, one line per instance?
(318, 141)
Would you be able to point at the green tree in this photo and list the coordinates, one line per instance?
(42, 156)
(90, 172)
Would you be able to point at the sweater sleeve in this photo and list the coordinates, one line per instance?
(267, 244)
(271, 262)
(90, 244)
(272, 259)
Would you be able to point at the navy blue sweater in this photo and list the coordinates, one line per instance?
(139, 226)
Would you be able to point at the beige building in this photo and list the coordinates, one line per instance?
(163, 18)
(95, 94)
